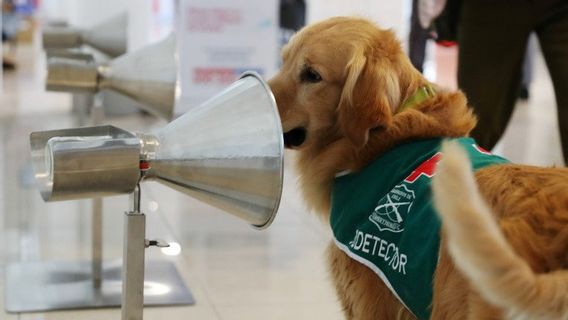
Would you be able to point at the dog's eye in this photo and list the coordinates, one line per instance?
(310, 75)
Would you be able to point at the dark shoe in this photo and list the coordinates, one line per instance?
(7, 64)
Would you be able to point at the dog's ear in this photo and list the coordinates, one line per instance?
(370, 94)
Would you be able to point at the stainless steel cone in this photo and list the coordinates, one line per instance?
(227, 152)
(148, 75)
(108, 37)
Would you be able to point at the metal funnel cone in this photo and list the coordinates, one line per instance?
(148, 75)
(227, 152)
(108, 37)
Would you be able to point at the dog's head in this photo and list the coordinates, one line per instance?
(340, 78)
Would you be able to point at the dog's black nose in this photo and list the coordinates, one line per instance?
(294, 137)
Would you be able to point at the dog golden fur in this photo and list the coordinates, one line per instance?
(504, 247)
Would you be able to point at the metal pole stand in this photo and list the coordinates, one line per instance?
(97, 114)
(133, 261)
(134, 289)
(53, 285)
(82, 105)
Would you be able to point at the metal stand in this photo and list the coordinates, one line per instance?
(52, 285)
(68, 285)
(49, 285)
(133, 261)
(97, 237)
(135, 244)
(82, 104)
(97, 118)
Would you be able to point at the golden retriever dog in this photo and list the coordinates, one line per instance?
(341, 95)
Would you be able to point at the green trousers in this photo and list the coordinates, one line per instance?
(493, 37)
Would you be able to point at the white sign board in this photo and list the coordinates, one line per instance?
(219, 40)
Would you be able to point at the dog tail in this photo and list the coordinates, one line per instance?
(480, 251)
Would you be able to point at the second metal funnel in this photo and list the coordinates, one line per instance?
(148, 75)
(108, 37)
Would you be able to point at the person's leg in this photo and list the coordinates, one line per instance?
(553, 37)
(527, 69)
(492, 38)
(417, 39)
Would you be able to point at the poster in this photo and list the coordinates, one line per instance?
(220, 39)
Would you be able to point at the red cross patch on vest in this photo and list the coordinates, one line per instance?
(427, 168)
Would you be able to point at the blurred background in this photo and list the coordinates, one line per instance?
(232, 270)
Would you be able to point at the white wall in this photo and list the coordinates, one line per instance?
(214, 49)
(149, 21)
(82, 13)
(55, 10)
(139, 23)
(386, 13)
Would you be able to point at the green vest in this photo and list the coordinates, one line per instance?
(383, 217)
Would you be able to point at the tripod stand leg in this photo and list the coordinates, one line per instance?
(97, 237)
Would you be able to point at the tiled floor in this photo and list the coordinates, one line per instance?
(233, 271)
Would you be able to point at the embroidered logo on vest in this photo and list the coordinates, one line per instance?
(392, 209)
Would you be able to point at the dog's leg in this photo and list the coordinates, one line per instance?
(340, 280)
(480, 309)
(362, 293)
(453, 298)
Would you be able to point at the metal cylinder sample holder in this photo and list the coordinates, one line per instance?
(75, 164)
(82, 102)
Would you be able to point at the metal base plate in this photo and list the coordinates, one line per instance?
(46, 286)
